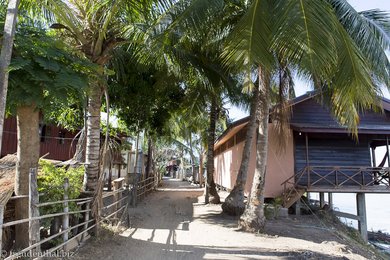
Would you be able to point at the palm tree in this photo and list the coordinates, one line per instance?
(342, 55)
(183, 131)
(5, 57)
(95, 28)
(234, 202)
(281, 92)
(194, 50)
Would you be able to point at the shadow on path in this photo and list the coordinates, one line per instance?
(171, 223)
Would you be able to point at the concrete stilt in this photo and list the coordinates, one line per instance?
(322, 199)
(298, 207)
(330, 200)
(361, 212)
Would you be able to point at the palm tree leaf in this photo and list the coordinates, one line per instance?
(370, 31)
(249, 43)
(304, 36)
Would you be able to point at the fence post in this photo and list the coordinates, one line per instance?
(134, 192)
(33, 228)
(1, 228)
(117, 195)
(87, 207)
(65, 218)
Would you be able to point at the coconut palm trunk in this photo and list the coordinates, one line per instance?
(150, 159)
(192, 158)
(201, 170)
(234, 202)
(5, 57)
(253, 218)
(210, 186)
(182, 173)
(28, 156)
(92, 153)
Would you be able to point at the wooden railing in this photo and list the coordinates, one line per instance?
(341, 176)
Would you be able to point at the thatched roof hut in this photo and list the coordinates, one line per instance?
(7, 177)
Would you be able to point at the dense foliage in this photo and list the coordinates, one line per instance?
(45, 73)
(144, 97)
(51, 186)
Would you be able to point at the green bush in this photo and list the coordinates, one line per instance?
(51, 186)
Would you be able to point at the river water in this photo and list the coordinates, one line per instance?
(377, 206)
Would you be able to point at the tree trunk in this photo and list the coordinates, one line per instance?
(5, 57)
(182, 174)
(92, 153)
(150, 159)
(253, 218)
(210, 186)
(192, 159)
(28, 156)
(201, 172)
(234, 203)
(136, 159)
(79, 155)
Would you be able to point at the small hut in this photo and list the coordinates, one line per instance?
(7, 185)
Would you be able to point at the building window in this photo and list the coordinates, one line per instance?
(61, 137)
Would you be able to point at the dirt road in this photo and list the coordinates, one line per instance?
(174, 223)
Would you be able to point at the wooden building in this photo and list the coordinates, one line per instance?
(320, 155)
(56, 142)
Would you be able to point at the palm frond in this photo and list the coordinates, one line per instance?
(370, 32)
(249, 43)
(299, 41)
(352, 89)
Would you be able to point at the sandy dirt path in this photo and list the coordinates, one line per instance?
(174, 223)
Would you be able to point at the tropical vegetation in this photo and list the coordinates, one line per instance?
(167, 69)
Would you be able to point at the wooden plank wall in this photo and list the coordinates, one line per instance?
(56, 141)
(311, 112)
(332, 150)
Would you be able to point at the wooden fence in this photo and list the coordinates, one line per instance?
(144, 187)
(70, 236)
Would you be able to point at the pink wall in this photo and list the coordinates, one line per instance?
(280, 166)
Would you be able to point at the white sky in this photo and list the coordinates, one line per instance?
(302, 87)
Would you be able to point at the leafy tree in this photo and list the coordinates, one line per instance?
(41, 70)
(143, 96)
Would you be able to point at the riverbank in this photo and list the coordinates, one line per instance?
(380, 240)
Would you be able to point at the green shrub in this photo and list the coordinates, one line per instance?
(271, 211)
(51, 187)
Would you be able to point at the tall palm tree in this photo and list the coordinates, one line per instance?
(95, 28)
(234, 202)
(193, 41)
(281, 92)
(5, 57)
(342, 55)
